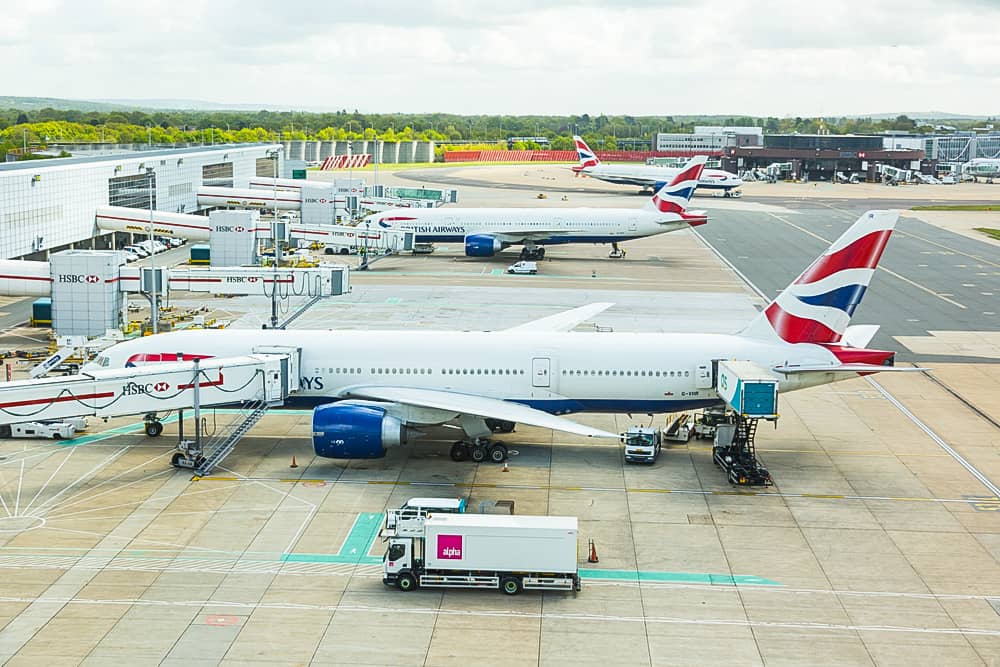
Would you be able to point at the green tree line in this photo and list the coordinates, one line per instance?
(44, 126)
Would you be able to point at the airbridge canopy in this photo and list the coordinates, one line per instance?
(152, 388)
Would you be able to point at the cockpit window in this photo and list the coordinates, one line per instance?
(103, 361)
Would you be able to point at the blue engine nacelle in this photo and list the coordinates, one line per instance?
(482, 245)
(350, 431)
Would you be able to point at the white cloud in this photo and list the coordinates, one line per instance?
(783, 57)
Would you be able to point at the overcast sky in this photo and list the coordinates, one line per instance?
(756, 57)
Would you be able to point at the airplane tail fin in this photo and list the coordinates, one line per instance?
(674, 196)
(588, 158)
(817, 307)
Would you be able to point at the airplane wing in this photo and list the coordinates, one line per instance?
(846, 368)
(564, 321)
(480, 406)
(532, 234)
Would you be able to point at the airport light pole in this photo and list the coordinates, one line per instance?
(154, 305)
(273, 154)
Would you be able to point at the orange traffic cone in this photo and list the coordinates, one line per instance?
(294, 464)
(506, 468)
(592, 558)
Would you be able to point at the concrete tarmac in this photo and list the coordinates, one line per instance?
(878, 544)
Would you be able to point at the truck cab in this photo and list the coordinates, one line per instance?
(398, 563)
(642, 444)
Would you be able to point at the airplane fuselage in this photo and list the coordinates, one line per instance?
(649, 176)
(542, 226)
(559, 373)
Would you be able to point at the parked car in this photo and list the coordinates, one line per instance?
(138, 250)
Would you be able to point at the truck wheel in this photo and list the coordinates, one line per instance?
(498, 453)
(510, 585)
(406, 582)
(328, 251)
(343, 251)
(154, 429)
(5, 431)
(479, 454)
(459, 452)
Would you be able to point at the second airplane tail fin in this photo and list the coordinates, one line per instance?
(588, 158)
(674, 196)
(817, 307)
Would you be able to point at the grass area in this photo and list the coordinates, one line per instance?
(958, 207)
(437, 165)
(992, 233)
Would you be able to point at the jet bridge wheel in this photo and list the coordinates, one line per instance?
(154, 428)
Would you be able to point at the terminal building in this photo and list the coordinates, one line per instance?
(49, 205)
(821, 156)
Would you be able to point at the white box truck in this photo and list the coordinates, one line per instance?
(512, 553)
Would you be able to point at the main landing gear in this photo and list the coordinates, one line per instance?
(532, 252)
(478, 451)
(616, 252)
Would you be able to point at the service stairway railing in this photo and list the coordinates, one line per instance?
(225, 442)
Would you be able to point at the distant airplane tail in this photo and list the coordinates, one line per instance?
(817, 307)
(674, 196)
(588, 158)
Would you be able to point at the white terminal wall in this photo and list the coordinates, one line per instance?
(55, 199)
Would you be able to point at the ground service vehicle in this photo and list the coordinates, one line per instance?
(523, 267)
(642, 444)
(512, 553)
(706, 422)
(54, 430)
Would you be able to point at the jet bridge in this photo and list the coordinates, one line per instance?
(256, 381)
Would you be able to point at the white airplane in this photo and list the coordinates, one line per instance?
(980, 167)
(487, 231)
(647, 176)
(371, 389)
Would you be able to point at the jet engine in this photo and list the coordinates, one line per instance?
(348, 430)
(482, 245)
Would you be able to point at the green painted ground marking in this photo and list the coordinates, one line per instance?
(678, 577)
(362, 535)
(393, 300)
(110, 433)
(496, 272)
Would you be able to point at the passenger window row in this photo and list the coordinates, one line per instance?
(620, 373)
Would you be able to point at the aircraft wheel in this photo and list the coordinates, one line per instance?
(498, 453)
(459, 452)
(154, 429)
(541, 253)
(479, 454)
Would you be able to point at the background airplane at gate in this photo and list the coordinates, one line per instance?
(371, 389)
(487, 231)
(647, 176)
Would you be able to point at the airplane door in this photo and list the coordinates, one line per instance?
(540, 370)
(703, 376)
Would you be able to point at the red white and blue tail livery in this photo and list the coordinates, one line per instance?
(674, 196)
(818, 306)
(587, 157)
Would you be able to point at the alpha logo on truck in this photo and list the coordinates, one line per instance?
(449, 547)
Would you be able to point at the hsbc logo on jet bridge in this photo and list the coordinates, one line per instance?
(449, 547)
(140, 389)
(75, 278)
(230, 228)
(241, 279)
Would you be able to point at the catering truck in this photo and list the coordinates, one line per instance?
(512, 553)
